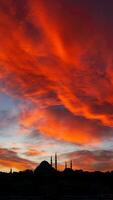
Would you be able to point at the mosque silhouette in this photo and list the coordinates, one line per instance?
(46, 182)
(51, 168)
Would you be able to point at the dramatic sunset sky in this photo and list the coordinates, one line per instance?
(56, 83)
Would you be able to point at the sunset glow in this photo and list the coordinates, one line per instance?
(56, 83)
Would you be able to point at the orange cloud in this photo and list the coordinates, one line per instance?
(58, 122)
(55, 54)
(33, 152)
(10, 159)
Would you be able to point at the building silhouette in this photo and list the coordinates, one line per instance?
(56, 161)
(51, 161)
(65, 165)
(71, 164)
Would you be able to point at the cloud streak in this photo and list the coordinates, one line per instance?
(97, 160)
(10, 159)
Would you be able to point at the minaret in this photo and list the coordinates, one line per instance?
(51, 161)
(71, 164)
(65, 165)
(56, 161)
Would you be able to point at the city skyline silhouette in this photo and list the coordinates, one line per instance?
(56, 99)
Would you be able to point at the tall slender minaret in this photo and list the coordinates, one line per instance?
(51, 161)
(56, 161)
(71, 164)
(65, 165)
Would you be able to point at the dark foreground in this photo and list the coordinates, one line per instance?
(65, 197)
(64, 186)
(45, 183)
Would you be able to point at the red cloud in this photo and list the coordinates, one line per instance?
(56, 121)
(56, 53)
